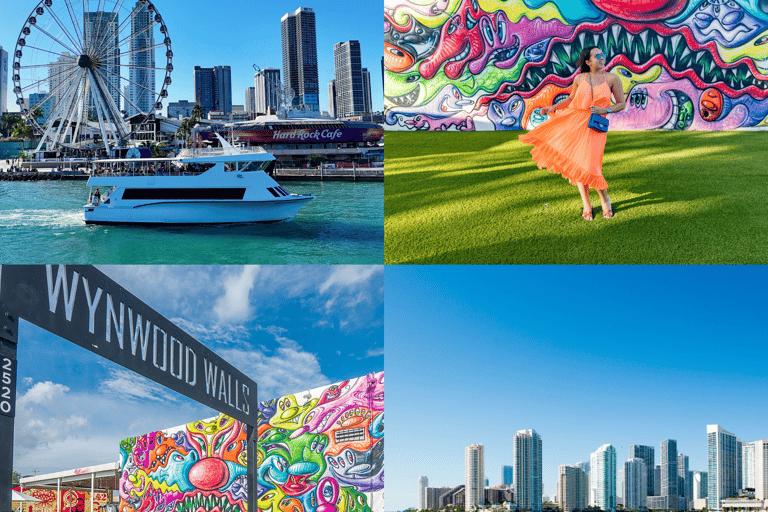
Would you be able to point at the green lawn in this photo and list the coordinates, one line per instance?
(478, 198)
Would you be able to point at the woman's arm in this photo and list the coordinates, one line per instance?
(618, 93)
(565, 102)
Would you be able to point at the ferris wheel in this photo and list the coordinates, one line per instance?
(89, 73)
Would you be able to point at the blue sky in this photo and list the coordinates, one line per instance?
(240, 34)
(583, 355)
(288, 328)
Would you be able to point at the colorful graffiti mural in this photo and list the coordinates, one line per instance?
(318, 451)
(71, 500)
(492, 64)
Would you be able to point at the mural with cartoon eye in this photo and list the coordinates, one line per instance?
(684, 64)
(320, 450)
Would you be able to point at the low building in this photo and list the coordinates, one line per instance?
(180, 109)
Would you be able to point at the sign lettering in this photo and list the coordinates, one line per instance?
(7, 386)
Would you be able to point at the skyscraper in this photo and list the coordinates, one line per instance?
(57, 73)
(748, 465)
(648, 455)
(528, 470)
(350, 99)
(722, 462)
(300, 58)
(684, 478)
(423, 484)
(367, 100)
(102, 28)
(506, 475)
(699, 485)
(572, 489)
(635, 484)
(332, 98)
(761, 469)
(141, 85)
(669, 473)
(213, 88)
(3, 81)
(602, 485)
(266, 82)
(474, 463)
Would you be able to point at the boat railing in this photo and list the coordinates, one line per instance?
(206, 152)
(120, 173)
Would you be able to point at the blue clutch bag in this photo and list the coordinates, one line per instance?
(598, 122)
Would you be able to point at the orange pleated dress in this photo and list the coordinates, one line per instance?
(566, 145)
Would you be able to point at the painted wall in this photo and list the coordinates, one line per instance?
(319, 450)
(71, 501)
(492, 64)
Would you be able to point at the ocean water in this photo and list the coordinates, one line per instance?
(42, 222)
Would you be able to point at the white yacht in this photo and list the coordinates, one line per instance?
(202, 187)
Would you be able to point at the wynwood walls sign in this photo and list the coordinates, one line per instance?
(84, 306)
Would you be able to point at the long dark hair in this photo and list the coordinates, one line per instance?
(586, 53)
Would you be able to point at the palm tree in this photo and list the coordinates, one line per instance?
(197, 112)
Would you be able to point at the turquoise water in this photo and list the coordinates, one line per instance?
(42, 222)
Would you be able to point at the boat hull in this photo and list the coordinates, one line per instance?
(195, 212)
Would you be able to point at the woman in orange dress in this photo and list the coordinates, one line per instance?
(565, 144)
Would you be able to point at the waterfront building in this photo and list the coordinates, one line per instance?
(748, 465)
(761, 469)
(474, 464)
(572, 488)
(423, 483)
(669, 472)
(367, 100)
(213, 88)
(180, 109)
(506, 475)
(657, 480)
(722, 462)
(332, 99)
(619, 485)
(3, 81)
(585, 468)
(528, 470)
(602, 485)
(453, 497)
(266, 83)
(646, 453)
(699, 485)
(204, 88)
(57, 72)
(250, 100)
(104, 26)
(141, 85)
(300, 58)
(635, 484)
(684, 479)
(36, 100)
(434, 494)
(350, 100)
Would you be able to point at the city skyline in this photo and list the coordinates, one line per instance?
(205, 37)
(537, 368)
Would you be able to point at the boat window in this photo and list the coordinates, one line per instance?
(281, 189)
(255, 166)
(273, 192)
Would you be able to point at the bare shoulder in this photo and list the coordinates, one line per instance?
(578, 78)
(613, 78)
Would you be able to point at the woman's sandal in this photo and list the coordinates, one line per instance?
(587, 214)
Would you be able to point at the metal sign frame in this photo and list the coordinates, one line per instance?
(81, 304)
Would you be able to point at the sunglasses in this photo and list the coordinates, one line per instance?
(599, 56)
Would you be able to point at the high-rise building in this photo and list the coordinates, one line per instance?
(722, 462)
(761, 469)
(332, 98)
(434, 494)
(37, 100)
(585, 468)
(528, 470)
(669, 472)
(423, 483)
(213, 88)
(619, 485)
(657, 480)
(648, 455)
(572, 488)
(367, 100)
(635, 484)
(602, 474)
(250, 100)
(699, 485)
(506, 475)
(266, 82)
(350, 99)
(684, 479)
(58, 75)
(748, 465)
(474, 463)
(3, 81)
(141, 85)
(102, 28)
(300, 58)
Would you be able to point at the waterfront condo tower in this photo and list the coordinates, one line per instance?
(572, 488)
(602, 485)
(635, 484)
(350, 98)
(423, 483)
(669, 473)
(722, 462)
(300, 58)
(3, 80)
(507, 475)
(141, 85)
(528, 470)
(646, 453)
(474, 462)
(266, 83)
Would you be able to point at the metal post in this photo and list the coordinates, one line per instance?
(9, 325)
(92, 482)
(252, 433)
(58, 494)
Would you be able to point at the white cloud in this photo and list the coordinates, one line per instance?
(234, 305)
(349, 276)
(224, 334)
(374, 352)
(126, 384)
(43, 393)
